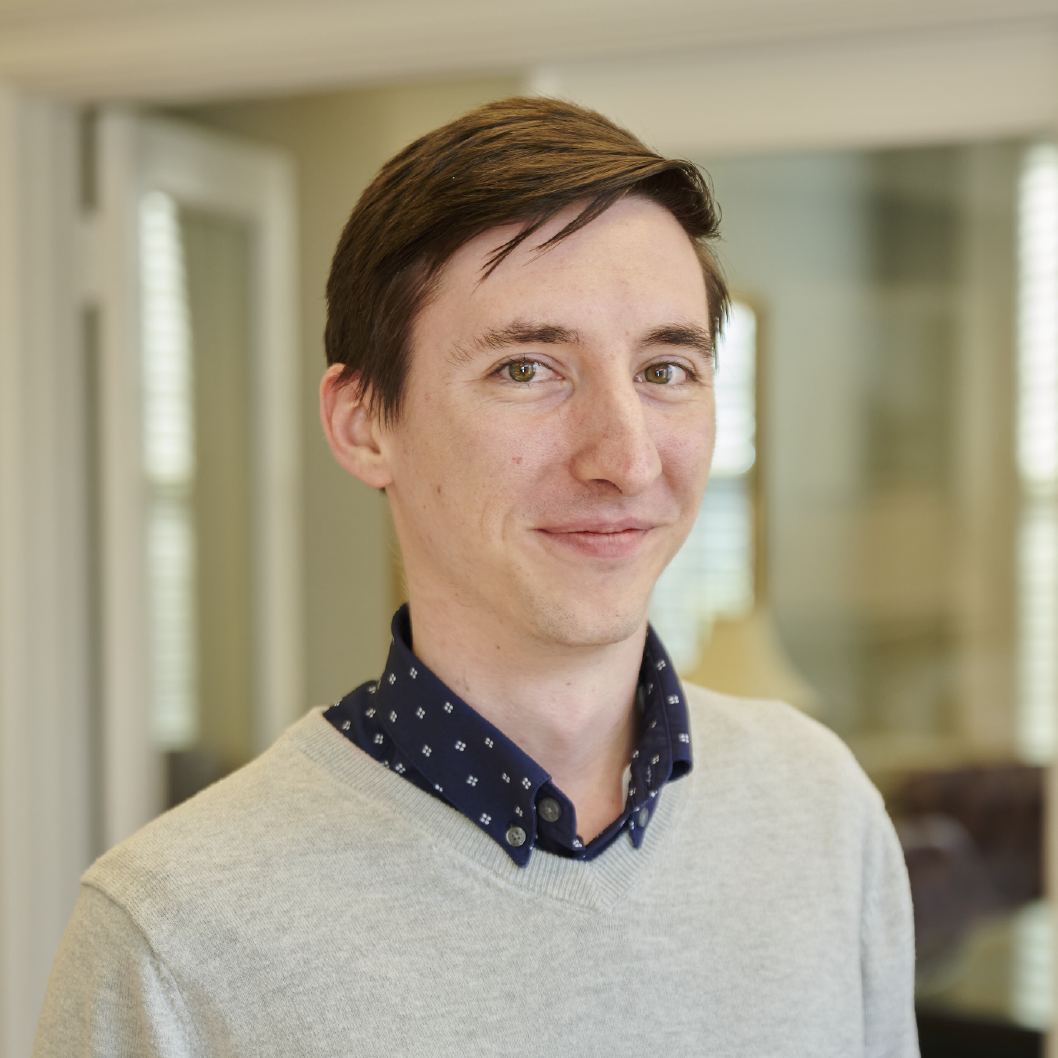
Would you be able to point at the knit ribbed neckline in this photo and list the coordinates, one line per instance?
(596, 884)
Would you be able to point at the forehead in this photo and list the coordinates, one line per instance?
(634, 260)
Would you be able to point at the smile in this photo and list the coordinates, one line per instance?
(599, 542)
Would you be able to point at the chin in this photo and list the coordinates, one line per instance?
(582, 623)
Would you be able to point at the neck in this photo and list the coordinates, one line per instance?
(571, 708)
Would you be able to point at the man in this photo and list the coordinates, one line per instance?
(500, 847)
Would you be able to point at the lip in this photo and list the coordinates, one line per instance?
(599, 525)
(612, 540)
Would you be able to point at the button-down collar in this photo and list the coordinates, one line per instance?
(416, 726)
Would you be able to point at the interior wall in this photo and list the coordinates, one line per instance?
(884, 281)
(870, 91)
(338, 140)
(218, 254)
(46, 684)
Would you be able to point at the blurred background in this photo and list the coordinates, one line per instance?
(184, 570)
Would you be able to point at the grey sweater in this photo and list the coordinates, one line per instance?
(315, 903)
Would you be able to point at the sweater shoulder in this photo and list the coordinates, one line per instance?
(775, 744)
(276, 807)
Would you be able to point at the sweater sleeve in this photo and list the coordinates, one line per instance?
(888, 947)
(109, 994)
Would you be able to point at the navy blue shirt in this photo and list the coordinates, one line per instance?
(414, 725)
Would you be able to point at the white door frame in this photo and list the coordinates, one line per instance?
(215, 172)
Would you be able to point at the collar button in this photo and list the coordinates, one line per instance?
(550, 810)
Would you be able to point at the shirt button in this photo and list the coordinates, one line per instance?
(515, 836)
(644, 817)
(550, 810)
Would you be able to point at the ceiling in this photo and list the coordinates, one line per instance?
(186, 49)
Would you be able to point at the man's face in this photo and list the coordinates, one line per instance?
(555, 440)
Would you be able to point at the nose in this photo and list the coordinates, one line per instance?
(612, 440)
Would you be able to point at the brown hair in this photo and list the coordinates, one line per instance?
(517, 160)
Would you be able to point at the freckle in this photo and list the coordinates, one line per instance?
(438, 490)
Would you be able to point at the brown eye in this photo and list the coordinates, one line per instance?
(522, 370)
(659, 373)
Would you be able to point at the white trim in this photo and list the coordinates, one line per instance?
(132, 770)
(44, 676)
(109, 50)
(217, 173)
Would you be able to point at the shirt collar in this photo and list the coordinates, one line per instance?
(412, 722)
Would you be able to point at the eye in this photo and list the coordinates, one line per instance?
(660, 374)
(522, 370)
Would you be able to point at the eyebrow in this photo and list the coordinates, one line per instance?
(527, 334)
(689, 336)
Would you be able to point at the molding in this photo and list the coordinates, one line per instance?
(180, 49)
(133, 780)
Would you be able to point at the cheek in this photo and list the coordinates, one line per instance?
(468, 469)
(686, 454)
(506, 467)
(515, 441)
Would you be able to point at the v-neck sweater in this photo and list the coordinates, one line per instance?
(316, 903)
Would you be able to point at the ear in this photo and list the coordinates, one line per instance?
(353, 430)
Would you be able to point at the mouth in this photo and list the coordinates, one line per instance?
(599, 540)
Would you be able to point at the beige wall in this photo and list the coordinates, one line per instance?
(338, 140)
